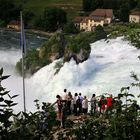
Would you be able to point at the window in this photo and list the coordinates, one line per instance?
(134, 19)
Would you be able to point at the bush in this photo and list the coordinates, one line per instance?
(52, 19)
(6, 111)
(100, 33)
(70, 28)
(32, 62)
(133, 36)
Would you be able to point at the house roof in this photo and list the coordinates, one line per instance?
(14, 22)
(95, 18)
(137, 13)
(78, 19)
(85, 20)
(102, 13)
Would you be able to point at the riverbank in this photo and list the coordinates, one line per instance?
(31, 31)
(39, 32)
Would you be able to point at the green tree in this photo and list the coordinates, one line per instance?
(86, 5)
(8, 10)
(28, 15)
(94, 4)
(100, 3)
(2, 22)
(133, 3)
(138, 5)
(89, 5)
(107, 4)
(53, 19)
(39, 22)
(100, 33)
(70, 28)
(117, 4)
(124, 12)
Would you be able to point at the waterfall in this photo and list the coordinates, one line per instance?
(107, 70)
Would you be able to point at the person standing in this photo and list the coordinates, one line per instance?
(85, 106)
(109, 103)
(64, 114)
(59, 107)
(101, 104)
(65, 95)
(79, 103)
(75, 104)
(69, 101)
(93, 104)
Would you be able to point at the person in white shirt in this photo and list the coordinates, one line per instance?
(65, 95)
(85, 105)
(75, 98)
(93, 104)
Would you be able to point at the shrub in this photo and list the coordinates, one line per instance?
(100, 33)
(133, 36)
(6, 111)
(70, 28)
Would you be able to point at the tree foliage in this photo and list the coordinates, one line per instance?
(100, 33)
(8, 10)
(70, 28)
(27, 15)
(89, 5)
(52, 19)
(124, 12)
(32, 62)
(130, 31)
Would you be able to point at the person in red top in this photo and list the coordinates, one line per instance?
(101, 104)
(109, 103)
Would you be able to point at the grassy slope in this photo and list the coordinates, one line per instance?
(72, 7)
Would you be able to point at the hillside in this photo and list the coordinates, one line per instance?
(72, 7)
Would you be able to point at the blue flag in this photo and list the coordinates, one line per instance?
(22, 35)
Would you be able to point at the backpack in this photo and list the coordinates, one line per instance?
(78, 101)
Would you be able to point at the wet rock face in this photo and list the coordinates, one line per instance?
(78, 57)
(54, 56)
(83, 55)
(57, 47)
(54, 48)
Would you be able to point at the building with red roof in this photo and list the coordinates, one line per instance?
(134, 16)
(97, 17)
(14, 24)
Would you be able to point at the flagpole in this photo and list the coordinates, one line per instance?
(23, 54)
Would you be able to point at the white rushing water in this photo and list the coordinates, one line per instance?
(107, 70)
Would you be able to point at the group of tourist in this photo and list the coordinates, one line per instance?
(68, 104)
